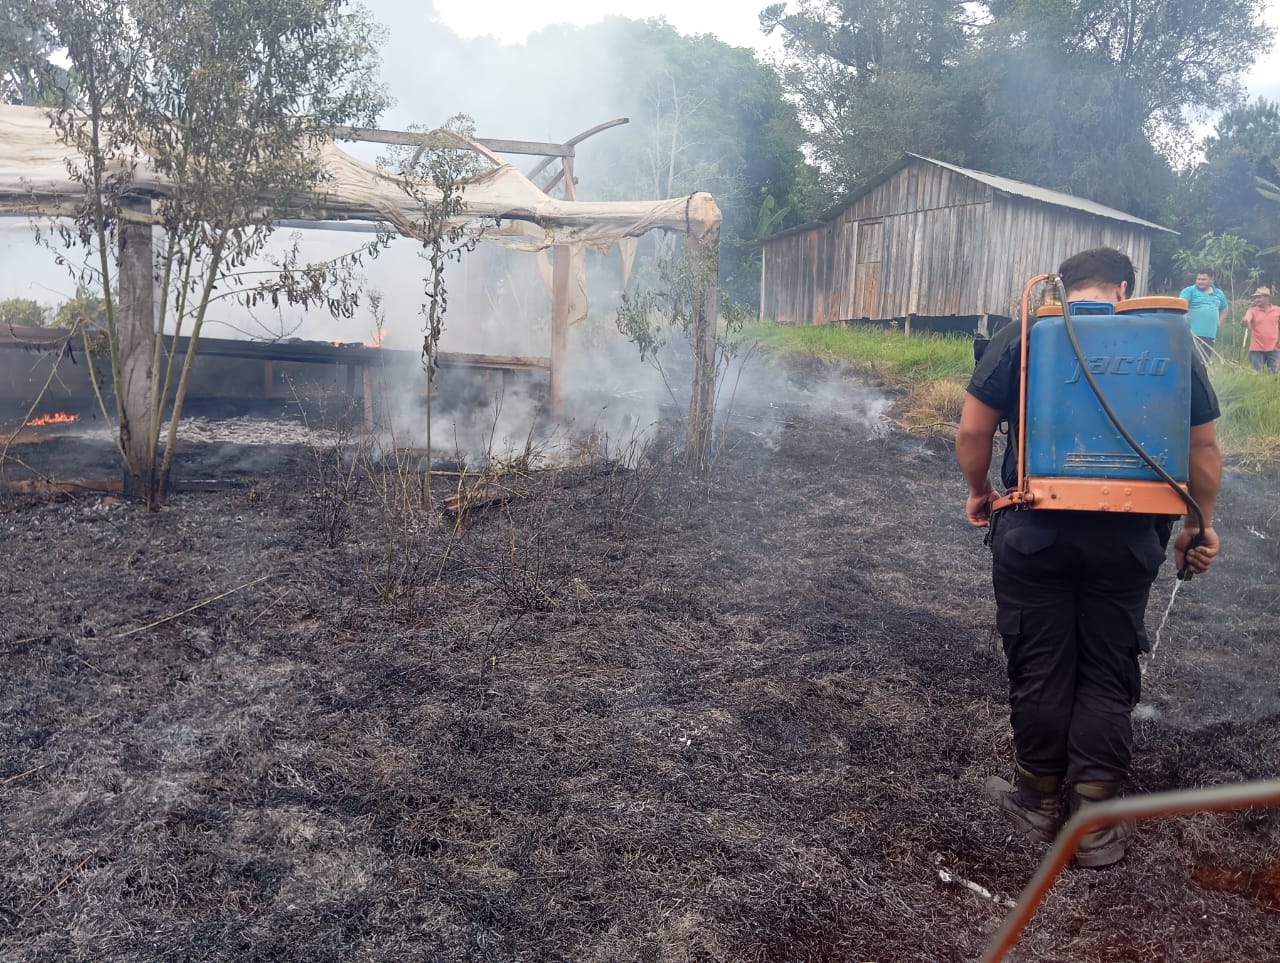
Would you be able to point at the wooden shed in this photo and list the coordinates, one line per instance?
(929, 240)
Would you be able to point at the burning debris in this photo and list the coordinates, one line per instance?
(56, 418)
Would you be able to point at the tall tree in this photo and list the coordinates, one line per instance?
(1178, 57)
(873, 78)
(705, 116)
(1219, 195)
(225, 99)
(28, 75)
(1066, 121)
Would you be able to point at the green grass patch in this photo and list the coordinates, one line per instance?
(1250, 401)
(883, 352)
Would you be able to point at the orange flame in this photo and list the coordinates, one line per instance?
(375, 340)
(57, 418)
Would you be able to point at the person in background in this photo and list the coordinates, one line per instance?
(1071, 590)
(1262, 321)
(1207, 308)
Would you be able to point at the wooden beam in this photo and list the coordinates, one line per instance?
(574, 141)
(551, 184)
(435, 139)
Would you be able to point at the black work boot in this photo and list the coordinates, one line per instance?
(1030, 802)
(1105, 846)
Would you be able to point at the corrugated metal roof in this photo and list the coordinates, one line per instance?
(1044, 195)
(1005, 185)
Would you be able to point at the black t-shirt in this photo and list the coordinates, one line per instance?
(996, 378)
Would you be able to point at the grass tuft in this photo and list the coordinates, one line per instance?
(1250, 401)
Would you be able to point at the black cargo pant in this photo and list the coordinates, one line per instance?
(1071, 595)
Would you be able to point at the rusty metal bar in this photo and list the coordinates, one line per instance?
(1216, 799)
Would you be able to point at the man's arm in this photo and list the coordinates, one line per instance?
(1205, 475)
(978, 424)
(1222, 300)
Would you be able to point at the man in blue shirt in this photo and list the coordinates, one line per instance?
(1207, 309)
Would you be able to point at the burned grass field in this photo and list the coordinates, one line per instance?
(607, 714)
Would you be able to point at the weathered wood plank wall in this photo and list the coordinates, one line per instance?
(929, 241)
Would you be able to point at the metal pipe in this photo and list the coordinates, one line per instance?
(1247, 795)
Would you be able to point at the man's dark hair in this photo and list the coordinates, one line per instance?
(1208, 271)
(1101, 265)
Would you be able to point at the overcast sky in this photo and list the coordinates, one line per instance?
(735, 22)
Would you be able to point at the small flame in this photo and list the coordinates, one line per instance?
(375, 340)
(337, 344)
(57, 418)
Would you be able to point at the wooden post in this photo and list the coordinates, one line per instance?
(570, 185)
(705, 257)
(370, 411)
(561, 302)
(906, 325)
(984, 324)
(561, 270)
(764, 256)
(136, 339)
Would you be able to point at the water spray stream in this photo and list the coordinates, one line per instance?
(1177, 584)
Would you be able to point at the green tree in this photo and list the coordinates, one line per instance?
(704, 116)
(874, 78)
(1177, 57)
(87, 307)
(708, 117)
(1219, 195)
(225, 99)
(442, 231)
(22, 312)
(1066, 121)
(27, 74)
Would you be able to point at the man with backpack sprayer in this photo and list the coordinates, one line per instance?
(1071, 586)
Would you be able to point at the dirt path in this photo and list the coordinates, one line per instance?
(611, 717)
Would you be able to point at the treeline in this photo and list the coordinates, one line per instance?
(1098, 98)
(1093, 97)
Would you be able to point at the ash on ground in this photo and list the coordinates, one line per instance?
(597, 712)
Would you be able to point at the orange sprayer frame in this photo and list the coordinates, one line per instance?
(1078, 494)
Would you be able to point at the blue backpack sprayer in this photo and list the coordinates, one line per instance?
(1104, 407)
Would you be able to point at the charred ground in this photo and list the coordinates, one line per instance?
(608, 715)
